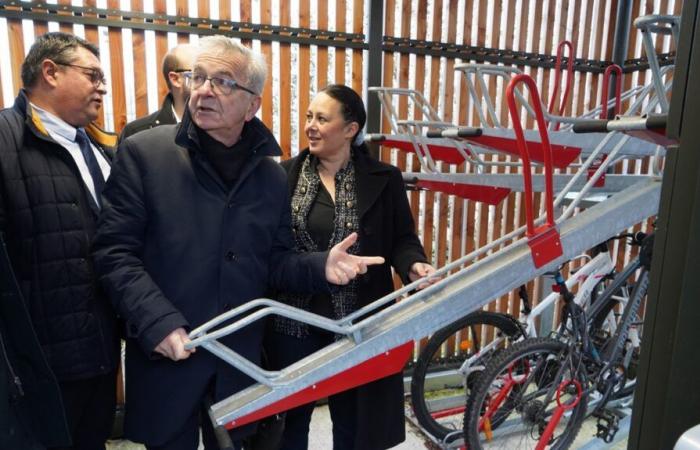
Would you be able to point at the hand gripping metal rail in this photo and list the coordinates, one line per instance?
(377, 339)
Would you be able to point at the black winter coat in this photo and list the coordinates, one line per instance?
(176, 248)
(49, 219)
(164, 116)
(31, 411)
(386, 229)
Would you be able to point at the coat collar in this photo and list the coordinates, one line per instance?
(265, 143)
(165, 114)
(104, 139)
(370, 177)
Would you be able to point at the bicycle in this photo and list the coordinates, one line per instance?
(447, 367)
(537, 392)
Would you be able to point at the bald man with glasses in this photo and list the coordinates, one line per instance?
(176, 63)
(53, 165)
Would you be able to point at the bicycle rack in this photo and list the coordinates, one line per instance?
(377, 339)
(661, 24)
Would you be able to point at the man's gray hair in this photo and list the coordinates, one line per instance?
(254, 65)
(58, 47)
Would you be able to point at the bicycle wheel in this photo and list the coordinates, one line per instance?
(448, 364)
(514, 400)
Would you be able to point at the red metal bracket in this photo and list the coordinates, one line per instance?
(600, 182)
(544, 242)
(487, 194)
(380, 366)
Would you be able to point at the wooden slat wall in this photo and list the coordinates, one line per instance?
(448, 227)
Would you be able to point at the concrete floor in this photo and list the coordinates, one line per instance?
(320, 436)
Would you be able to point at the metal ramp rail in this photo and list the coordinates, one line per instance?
(380, 344)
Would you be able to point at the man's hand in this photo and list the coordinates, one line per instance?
(420, 270)
(173, 346)
(341, 267)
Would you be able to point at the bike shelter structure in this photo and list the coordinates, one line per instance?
(377, 340)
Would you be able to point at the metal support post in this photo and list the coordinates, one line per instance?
(374, 69)
(621, 41)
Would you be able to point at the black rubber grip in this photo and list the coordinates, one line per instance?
(464, 132)
(656, 121)
(591, 126)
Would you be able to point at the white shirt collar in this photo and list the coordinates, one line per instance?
(55, 125)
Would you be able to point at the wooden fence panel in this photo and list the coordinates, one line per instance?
(449, 227)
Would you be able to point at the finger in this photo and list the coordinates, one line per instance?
(349, 270)
(340, 277)
(371, 260)
(347, 242)
(361, 267)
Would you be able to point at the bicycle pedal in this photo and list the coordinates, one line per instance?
(607, 427)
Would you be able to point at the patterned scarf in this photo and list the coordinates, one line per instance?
(346, 221)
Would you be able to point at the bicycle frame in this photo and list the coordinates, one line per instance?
(587, 276)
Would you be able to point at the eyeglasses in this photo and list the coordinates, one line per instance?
(96, 76)
(181, 70)
(222, 86)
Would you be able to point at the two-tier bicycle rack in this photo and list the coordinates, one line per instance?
(377, 340)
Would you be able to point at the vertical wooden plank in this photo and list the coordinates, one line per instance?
(358, 17)
(181, 10)
(92, 35)
(16, 42)
(245, 13)
(65, 27)
(266, 49)
(40, 26)
(225, 11)
(322, 51)
(405, 30)
(340, 15)
(161, 38)
(387, 79)
(304, 82)
(285, 103)
(138, 39)
(116, 54)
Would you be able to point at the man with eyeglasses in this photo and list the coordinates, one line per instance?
(53, 164)
(176, 63)
(197, 221)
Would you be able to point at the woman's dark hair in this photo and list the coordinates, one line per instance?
(352, 106)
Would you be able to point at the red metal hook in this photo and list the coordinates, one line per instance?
(557, 79)
(618, 90)
(559, 411)
(544, 241)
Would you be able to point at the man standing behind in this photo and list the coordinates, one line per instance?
(175, 64)
(197, 221)
(53, 165)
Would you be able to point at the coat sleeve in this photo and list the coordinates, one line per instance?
(118, 244)
(302, 273)
(406, 247)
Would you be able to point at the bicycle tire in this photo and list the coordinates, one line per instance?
(427, 364)
(523, 408)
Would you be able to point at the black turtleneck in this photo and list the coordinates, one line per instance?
(227, 161)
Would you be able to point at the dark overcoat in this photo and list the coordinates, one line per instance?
(175, 248)
(386, 229)
(164, 116)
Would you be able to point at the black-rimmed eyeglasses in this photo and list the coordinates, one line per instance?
(96, 76)
(222, 86)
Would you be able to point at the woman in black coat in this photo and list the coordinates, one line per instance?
(337, 188)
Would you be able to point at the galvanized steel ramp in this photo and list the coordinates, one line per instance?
(379, 344)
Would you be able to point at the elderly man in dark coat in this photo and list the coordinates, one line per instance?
(197, 221)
